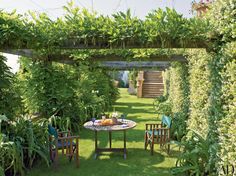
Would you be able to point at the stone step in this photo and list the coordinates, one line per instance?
(153, 84)
(151, 96)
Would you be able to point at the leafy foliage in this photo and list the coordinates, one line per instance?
(203, 93)
(66, 91)
(195, 156)
(21, 144)
(222, 18)
(200, 87)
(179, 98)
(204, 109)
(176, 95)
(212, 109)
(226, 153)
(79, 27)
(162, 106)
(126, 54)
(9, 97)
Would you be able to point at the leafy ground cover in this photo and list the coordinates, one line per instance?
(138, 163)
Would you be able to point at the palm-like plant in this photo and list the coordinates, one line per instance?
(194, 159)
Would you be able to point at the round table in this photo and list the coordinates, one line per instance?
(96, 126)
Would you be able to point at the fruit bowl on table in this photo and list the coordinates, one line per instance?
(110, 122)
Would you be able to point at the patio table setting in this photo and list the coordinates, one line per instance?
(110, 125)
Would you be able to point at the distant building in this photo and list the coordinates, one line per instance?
(201, 7)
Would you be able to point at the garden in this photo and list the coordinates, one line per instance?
(62, 84)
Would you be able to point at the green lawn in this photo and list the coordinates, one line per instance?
(138, 163)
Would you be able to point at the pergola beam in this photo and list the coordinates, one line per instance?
(122, 65)
(66, 58)
(20, 52)
(173, 58)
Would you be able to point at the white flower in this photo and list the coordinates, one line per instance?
(114, 114)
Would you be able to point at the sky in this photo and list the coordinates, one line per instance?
(53, 8)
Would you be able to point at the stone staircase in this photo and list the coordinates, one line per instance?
(153, 84)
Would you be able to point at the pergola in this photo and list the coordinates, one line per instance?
(43, 39)
(202, 91)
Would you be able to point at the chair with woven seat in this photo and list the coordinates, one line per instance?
(63, 141)
(158, 134)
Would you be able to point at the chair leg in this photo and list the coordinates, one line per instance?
(77, 153)
(168, 148)
(145, 141)
(72, 154)
(152, 147)
(55, 161)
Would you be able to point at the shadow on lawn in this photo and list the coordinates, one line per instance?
(136, 137)
(134, 108)
(132, 135)
(135, 104)
(139, 162)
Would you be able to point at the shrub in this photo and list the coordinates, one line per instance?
(195, 157)
(162, 106)
(66, 91)
(10, 101)
(23, 143)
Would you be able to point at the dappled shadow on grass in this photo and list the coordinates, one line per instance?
(134, 108)
(141, 121)
(133, 104)
(134, 111)
(138, 162)
(132, 135)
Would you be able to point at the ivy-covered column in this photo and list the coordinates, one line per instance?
(227, 125)
(215, 107)
(178, 97)
(179, 87)
(200, 87)
(212, 104)
(223, 23)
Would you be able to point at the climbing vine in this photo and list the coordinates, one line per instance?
(212, 99)
(223, 21)
(179, 98)
(85, 29)
(200, 87)
(227, 138)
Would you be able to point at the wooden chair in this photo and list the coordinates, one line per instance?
(63, 141)
(158, 134)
